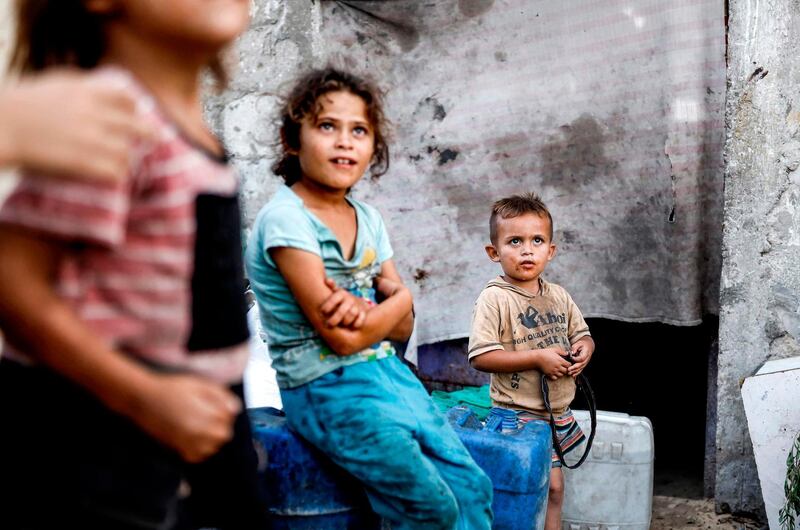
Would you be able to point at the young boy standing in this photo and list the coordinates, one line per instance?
(524, 328)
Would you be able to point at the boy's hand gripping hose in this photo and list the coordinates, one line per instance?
(583, 384)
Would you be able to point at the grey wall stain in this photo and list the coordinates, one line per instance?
(430, 108)
(636, 235)
(567, 237)
(575, 154)
(442, 155)
(447, 155)
(374, 21)
(474, 8)
(388, 25)
(420, 275)
(406, 36)
(504, 153)
(472, 204)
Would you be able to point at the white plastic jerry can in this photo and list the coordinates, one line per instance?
(613, 489)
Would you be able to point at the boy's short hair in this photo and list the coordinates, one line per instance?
(515, 206)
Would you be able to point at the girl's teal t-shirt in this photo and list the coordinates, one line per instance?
(298, 353)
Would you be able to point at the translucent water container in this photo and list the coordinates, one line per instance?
(613, 489)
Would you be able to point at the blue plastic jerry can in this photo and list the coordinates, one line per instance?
(306, 491)
(518, 461)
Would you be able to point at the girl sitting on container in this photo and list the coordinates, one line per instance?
(331, 299)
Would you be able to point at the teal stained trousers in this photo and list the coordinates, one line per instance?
(375, 420)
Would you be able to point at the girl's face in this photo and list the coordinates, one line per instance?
(197, 25)
(336, 145)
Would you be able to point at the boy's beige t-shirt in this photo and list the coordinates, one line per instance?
(509, 318)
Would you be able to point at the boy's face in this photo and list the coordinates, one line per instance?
(523, 248)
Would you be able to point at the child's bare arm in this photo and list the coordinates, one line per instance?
(304, 273)
(69, 123)
(344, 309)
(549, 361)
(582, 351)
(190, 414)
(388, 282)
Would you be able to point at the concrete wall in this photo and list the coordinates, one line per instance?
(6, 34)
(760, 286)
(283, 38)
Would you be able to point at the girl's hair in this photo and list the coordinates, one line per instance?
(65, 33)
(303, 100)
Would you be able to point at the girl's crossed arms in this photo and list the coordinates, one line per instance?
(347, 323)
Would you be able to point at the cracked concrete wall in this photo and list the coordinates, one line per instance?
(6, 34)
(283, 39)
(760, 285)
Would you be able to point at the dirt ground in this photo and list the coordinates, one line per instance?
(676, 513)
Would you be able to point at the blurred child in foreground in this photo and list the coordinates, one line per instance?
(122, 300)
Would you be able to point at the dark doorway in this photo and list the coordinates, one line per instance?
(661, 372)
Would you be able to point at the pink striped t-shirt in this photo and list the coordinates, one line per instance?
(152, 264)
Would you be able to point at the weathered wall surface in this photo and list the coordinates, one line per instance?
(760, 285)
(283, 38)
(6, 34)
